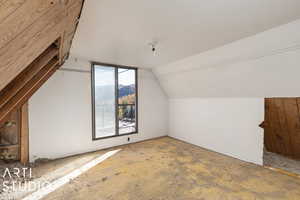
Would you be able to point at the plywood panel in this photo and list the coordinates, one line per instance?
(282, 126)
(292, 113)
(268, 136)
(284, 132)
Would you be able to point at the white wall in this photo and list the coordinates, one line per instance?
(225, 125)
(60, 114)
(264, 65)
(216, 99)
(217, 96)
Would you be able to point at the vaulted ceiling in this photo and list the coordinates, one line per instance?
(118, 31)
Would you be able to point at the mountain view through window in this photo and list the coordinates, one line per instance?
(114, 101)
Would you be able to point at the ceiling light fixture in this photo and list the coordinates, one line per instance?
(153, 46)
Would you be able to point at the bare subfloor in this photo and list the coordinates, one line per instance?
(277, 161)
(42, 170)
(168, 169)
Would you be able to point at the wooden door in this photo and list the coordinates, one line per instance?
(282, 126)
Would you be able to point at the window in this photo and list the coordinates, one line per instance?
(114, 96)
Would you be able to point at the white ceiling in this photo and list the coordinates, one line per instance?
(118, 31)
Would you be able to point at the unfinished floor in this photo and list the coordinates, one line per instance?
(281, 162)
(166, 168)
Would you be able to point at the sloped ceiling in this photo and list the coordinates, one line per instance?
(263, 65)
(118, 31)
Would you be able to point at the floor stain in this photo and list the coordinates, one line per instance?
(169, 169)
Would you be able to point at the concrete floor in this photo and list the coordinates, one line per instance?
(168, 169)
(281, 162)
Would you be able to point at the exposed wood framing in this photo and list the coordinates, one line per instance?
(25, 16)
(28, 90)
(28, 27)
(35, 39)
(20, 81)
(24, 135)
(9, 137)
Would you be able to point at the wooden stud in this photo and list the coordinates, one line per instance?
(20, 81)
(28, 90)
(24, 135)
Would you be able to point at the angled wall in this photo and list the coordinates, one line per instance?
(217, 96)
(264, 65)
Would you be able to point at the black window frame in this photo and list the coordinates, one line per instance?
(93, 66)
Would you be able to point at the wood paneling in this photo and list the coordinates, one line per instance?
(17, 55)
(35, 37)
(27, 14)
(8, 7)
(282, 126)
(26, 34)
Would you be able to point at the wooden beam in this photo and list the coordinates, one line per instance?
(24, 135)
(12, 146)
(72, 17)
(18, 83)
(28, 90)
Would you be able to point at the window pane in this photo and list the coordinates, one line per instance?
(127, 100)
(104, 85)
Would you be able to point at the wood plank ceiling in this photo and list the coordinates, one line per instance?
(28, 27)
